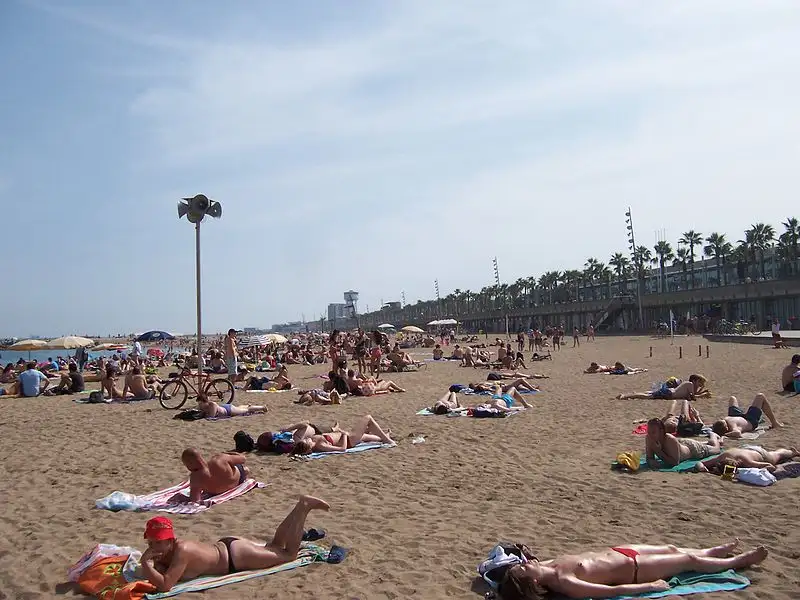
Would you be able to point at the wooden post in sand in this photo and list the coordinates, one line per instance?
(700, 350)
(651, 352)
(706, 351)
(680, 351)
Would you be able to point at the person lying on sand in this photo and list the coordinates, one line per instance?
(496, 376)
(787, 374)
(507, 395)
(222, 472)
(445, 404)
(674, 421)
(367, 431)
(489, 386)
(319, 396)
(747, 456)
(685, 390)
(617, 369)
(661, 446)
(169, 560)
(213, 410)
(280, 382)
(738, 421)
(371, 388)
(626, 570)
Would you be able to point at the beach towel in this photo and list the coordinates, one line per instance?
(114, 401)
(697, 583)
(269, 391)
(359, 448)
(628, 371)
(161, 500)
(462, 412)
(470, 392)
(309, 553)
(683, 467)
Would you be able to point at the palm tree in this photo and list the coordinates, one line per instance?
(691, 238)
(664, 252)
(792, 233)
(590, 272)
(761, 237)
(620, 263)
(682, 259)
(719, 248)
(572, 279)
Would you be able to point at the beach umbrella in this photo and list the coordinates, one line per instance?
(252, 341)
(157, 352)
(155, 336)
(448, 322)
(276, 338)
(108, 346)
(412, 329)
(68, 342)
(28, 345)
(386, 326)
(434, 323)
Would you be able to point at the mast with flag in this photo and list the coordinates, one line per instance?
(671, 327)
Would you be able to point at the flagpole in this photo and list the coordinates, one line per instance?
(671, 327)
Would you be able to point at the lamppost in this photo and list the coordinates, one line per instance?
(438, 300)
(497, 282)
(195, 210)
(637, 266)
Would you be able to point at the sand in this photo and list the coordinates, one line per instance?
(417, 518)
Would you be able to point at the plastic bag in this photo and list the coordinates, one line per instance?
(755, 476)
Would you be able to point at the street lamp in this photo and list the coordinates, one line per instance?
(195, 210)
(632, 245)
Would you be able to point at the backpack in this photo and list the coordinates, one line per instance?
(191, 414)
(244, 442)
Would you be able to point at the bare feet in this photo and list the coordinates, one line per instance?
(724, 550)
(752, 557)
(795, 451)
(314, 503)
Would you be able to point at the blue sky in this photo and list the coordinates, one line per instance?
(375, 147)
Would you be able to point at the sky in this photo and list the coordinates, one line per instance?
(371, 145)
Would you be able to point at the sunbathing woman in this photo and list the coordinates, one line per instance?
(366, 432)
(445, 404)
(686, 390)
(371, 388)
(663, 446)
(319, 396)
(747, 456)
(488, 386)
(212, 410)
(626, 570)
(617, 369)
(494, 375)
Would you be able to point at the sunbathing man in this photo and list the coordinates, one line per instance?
(495, 375)
(212, 410)
(280, 382)
(371, 388)
(506, 396)
(490, 385)
(627, 570)
(738, 422)
(367, 431)
(222, 472)
(747, 456)
(169, 560)
(665, 447)
(787, 375)
(445, 404)
(685, 390)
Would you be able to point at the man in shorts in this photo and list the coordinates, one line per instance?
(787, 375)
(738, 421)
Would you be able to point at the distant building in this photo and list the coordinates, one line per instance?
(254, 330)
(337, 311)
(392, 305)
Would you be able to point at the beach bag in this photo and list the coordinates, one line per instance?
(97, 397)
(191, 414)
(689, 429)
(244, 442)
(493, 377)
(104, 579)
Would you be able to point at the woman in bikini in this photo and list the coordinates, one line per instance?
(367, 431)
(695, 387)
(619, 571)
(212, 410)
(445, 404)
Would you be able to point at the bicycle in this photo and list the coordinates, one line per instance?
(175, 392)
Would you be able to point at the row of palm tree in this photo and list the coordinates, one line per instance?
(623, 274)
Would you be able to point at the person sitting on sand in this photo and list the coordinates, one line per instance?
(438, 353)
(514, 361)
(787, 374)
(627, 570)
(136, 384)
(738, 421)
(31, 382)
(169, 560)
(9, 375)
(367, 431)
(747, 456)
(686, 422)
(661, 446)
(222, 472)
(685, 390)
(445, 404)
(71, 382)
(212, 410)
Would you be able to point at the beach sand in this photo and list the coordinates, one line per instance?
(417, 518)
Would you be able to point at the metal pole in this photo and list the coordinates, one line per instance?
(199, 306)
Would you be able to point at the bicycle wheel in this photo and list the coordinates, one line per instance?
(174, 394)
(220, 390)
(755, 330)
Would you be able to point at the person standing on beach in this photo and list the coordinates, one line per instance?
(231, 354)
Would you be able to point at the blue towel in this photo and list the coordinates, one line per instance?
(686, 465)
(359, 448)
(697, 583)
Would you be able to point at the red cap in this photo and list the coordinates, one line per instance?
(159, 528)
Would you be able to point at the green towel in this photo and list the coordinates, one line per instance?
(686, 465)
(696, 583)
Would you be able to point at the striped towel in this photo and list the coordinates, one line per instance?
(160, 500)
(359, 448)
(308, 554)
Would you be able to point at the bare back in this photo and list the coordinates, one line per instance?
(199, 558)
(220, 475)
